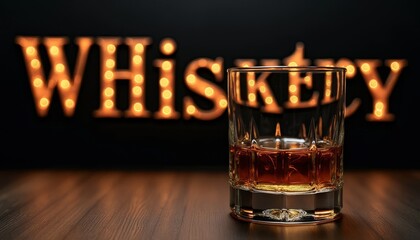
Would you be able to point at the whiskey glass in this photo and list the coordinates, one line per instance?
(286, 137)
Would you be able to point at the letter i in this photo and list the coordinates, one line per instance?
(166, 81)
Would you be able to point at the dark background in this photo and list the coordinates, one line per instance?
(228, 29)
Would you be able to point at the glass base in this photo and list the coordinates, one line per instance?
(286, 209)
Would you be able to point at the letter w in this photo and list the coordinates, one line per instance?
(42, 89)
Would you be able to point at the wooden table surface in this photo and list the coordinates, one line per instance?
(176, 204)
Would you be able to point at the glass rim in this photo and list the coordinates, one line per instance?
(279, 68)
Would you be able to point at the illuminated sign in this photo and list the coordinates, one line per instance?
(68, 81)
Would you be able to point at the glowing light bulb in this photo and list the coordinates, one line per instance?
(215, 67)
(268, 100)
(294, 99)
(137, 91)
(109, 75)
(65, 83)
(164, 82)
(138, 78)
(109, 92)
(110, 63)
(35, 63)
(208, 91)
(191, 78)
(110, 48)
(395, 66)
(166, 65)
(138, 107)
(350, 69)
(139, 48)
(69, 103)
(191, 109)
(109, 103)
(59, 67)
(137, 59)
(44, 102)
(30, 51)
(166, 94)
(365, 67)
(38, 82)
(223, 103)
(166, 110)
(167, 46)
(373, 83)
(54, 50)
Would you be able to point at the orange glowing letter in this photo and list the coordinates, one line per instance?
(379, 91)
(205, 88)
(351, 71)
(135, 75)
(166, 81)
(259, 84)
(59, 76)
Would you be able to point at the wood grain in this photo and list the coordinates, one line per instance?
(175, 204)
